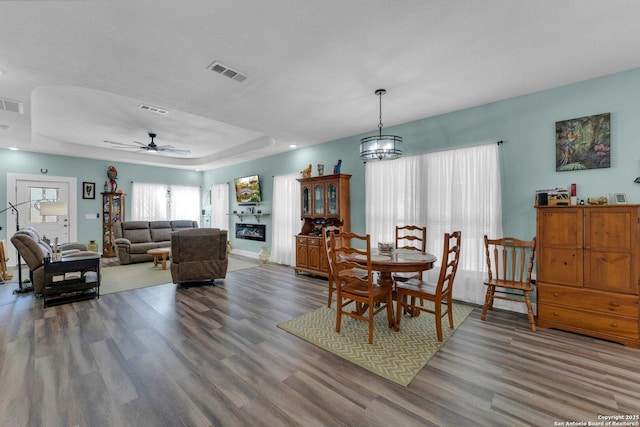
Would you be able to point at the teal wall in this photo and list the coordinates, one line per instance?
(88, 170)
(526, 124)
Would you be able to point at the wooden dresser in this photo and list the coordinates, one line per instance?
(588, 266)
(324, 202)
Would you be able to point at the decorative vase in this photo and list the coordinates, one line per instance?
(264, 255)
(92, 246)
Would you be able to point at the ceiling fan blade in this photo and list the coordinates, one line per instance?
(118, 143)
(169, 149)
(122, 146)
(148, 148)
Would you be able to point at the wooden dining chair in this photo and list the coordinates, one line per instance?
(440, 294)
(352, 286)
(410, 237)
(326, 232)
(509, 264)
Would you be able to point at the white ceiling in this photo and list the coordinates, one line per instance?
(83, 68)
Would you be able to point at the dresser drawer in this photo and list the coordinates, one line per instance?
(605, 302)
(589, 320)
(314, 241)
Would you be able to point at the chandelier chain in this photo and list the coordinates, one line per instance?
(380, 124)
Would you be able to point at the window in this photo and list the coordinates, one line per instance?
(157, 202)
(41, 194)
(285, 218)
(444, 191)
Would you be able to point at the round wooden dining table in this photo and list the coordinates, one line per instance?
(398, 261)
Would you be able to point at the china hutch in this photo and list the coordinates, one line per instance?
(324, 201)
(588, 270)
(112, 213)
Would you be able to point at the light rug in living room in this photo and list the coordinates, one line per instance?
(140, 275)
(396, 356)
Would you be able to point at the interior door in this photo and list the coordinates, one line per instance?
(36, 193)
(27, 193)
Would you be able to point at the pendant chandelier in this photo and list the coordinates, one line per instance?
(380, 147)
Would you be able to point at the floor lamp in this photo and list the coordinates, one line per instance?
(21, 288)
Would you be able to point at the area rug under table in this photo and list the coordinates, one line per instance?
(120, 278)
(396, 356)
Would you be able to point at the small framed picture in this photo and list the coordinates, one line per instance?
(620, 198)
(88, 190)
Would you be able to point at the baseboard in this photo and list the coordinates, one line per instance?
(247, 254)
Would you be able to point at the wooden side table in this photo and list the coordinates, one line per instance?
(71, 279)
(160, 252)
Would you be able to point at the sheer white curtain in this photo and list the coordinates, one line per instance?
(148, 202)
(285, 218)
(444, 191)
(158, 202)
(220, 206)
(184, 202)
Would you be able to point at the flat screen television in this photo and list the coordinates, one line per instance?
(248, 189)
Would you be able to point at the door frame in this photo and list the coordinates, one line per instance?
(13, 178)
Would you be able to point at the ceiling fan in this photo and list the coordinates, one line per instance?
(150, 148)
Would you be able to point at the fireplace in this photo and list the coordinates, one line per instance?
(251, 232)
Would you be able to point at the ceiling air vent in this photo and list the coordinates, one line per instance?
(227, 72)
(11, 106)
(156, 110)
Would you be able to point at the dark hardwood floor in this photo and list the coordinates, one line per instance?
(213, 355)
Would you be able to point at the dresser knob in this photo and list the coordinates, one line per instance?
(555, 294)
(555, 313)
(615, 304)
(614, 325)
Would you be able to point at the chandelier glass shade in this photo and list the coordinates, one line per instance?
(381, 147)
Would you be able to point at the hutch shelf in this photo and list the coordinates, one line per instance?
(324, 202)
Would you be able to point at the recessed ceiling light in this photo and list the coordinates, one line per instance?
(293, 146)
(13, 149)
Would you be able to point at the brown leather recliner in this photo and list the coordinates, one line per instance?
(34, 250)
(198, 255)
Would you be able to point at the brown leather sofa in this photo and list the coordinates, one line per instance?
(198, 255)
(34, 250)
(134, 238)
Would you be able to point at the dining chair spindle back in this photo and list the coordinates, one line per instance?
(440, 293)
(326, 232)
(410, 237)
(354, 282)
(510, 265)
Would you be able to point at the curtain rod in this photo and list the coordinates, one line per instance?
(456, 148)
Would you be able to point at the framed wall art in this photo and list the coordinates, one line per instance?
(583, 143)
(88, 190)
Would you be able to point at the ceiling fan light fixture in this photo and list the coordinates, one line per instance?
(151, 148)
(381, 147)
